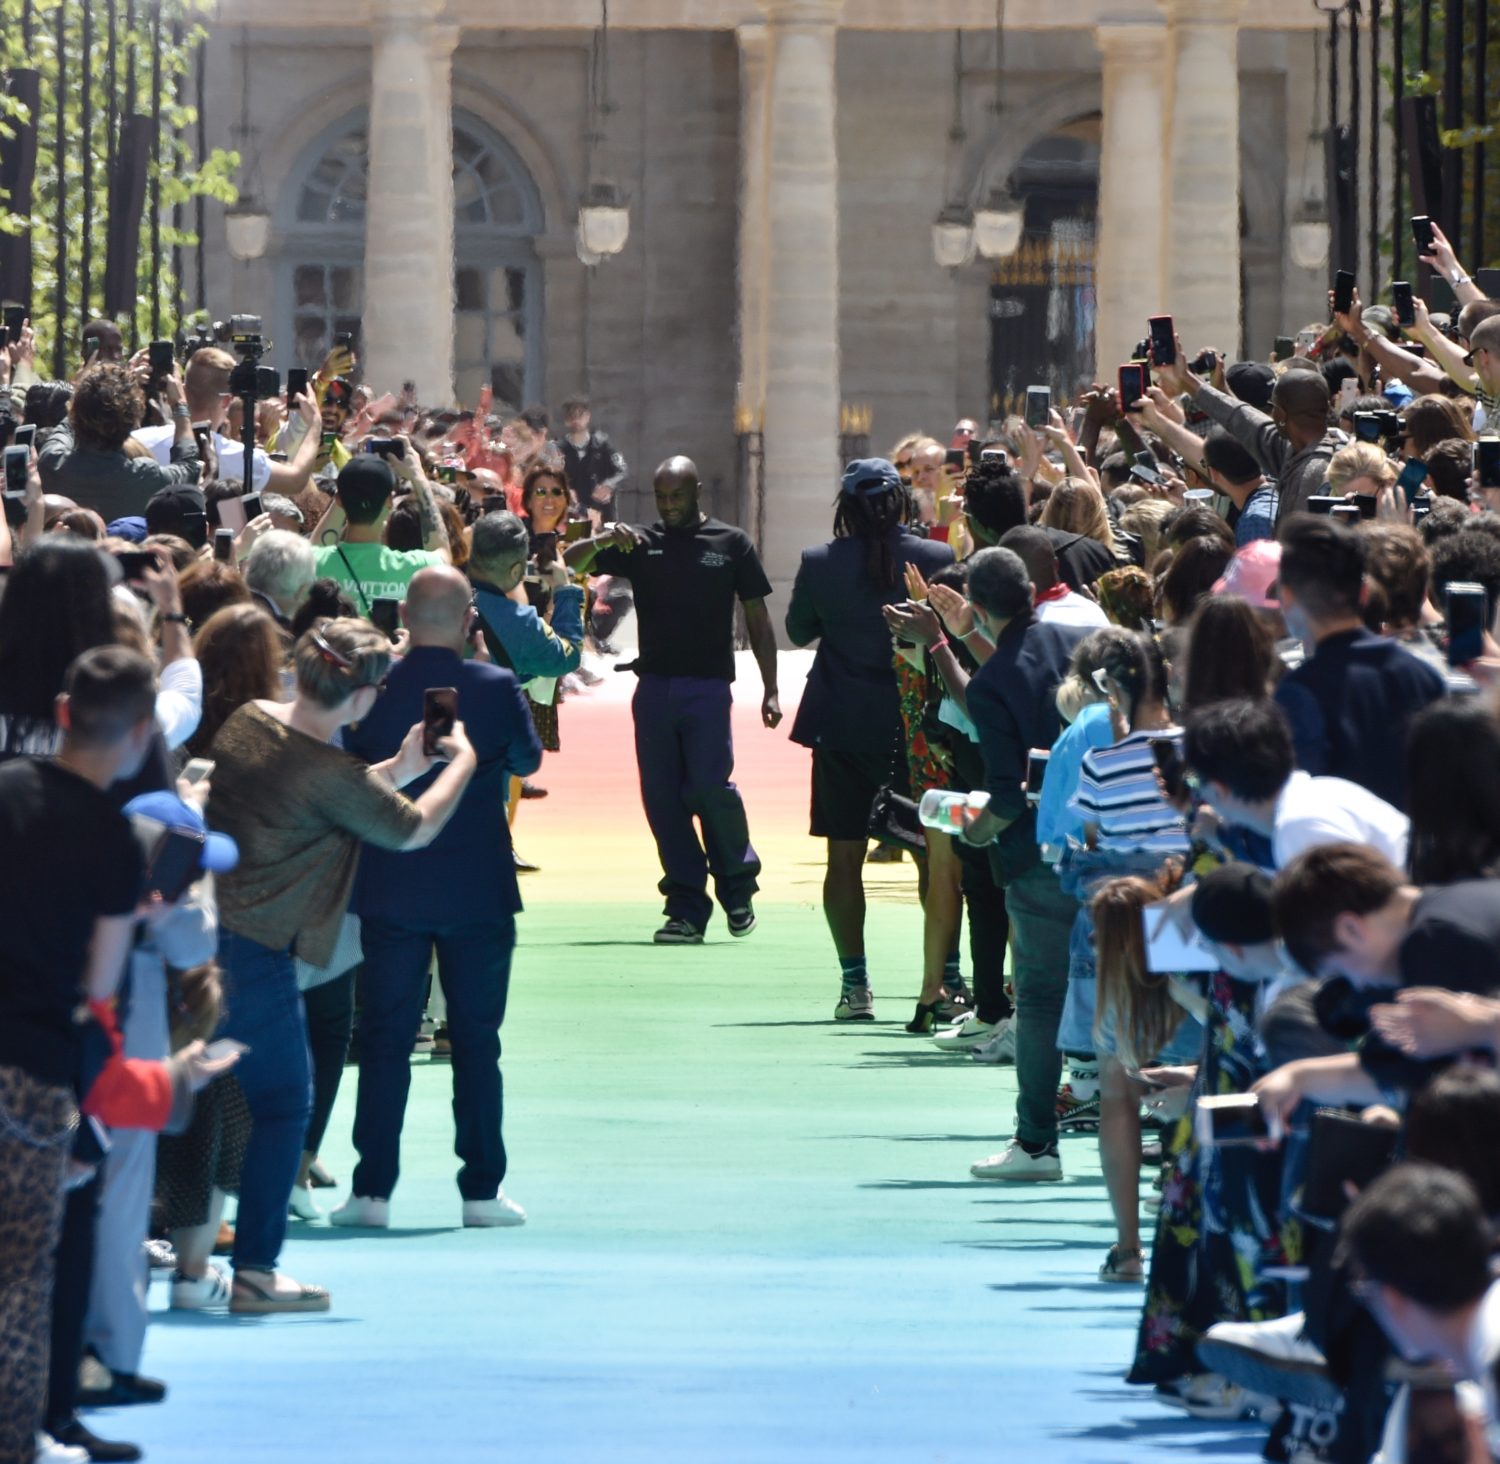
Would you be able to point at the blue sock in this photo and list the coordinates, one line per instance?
(953, 977)
(853, 972)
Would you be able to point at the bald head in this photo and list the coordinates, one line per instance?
(437, 607)
(676, 485)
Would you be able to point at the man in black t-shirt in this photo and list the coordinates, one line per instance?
(687, 571)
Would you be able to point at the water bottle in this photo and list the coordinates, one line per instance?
(949, 812)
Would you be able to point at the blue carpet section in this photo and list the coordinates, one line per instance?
(753, 1237)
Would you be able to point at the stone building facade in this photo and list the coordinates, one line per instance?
(784, 160)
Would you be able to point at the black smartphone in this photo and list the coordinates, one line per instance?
(1342, 1150)
(1468, 618)
(1346, 513)
(1419, 511)
(250, 502)
(1367, 426)
(385, 615)
(1365, 504)
(1421, 231)
(1284, 349)
(162, 358)
(1404, 302)
(224, 545)
(976, 451)
(1038, 406)
(135, 562)
(24, 436)
(296, 383)
(1036, 773)
(174, 863)
(1163, 338)
(92, 344)
(4, 336)
(1413, 475)
(386, 447)
(15, 320)
(1144, 468)
(1343, 292)
(1486, 461)
(1132, 385)
(957, 458)
(17, 465)
(1230, 1119)
(1320, 504)
(344, 341)
(439, 714)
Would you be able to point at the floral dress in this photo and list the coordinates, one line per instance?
(928, 763)
(1217, 1230)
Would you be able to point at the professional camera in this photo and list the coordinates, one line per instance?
(244, 333)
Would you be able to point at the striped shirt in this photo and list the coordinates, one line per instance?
(1119, 794)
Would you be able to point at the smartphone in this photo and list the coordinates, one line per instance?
(296, 383)
(1143, 468)
(224, 1047)
(1348, 395)
(1367, 426)
(1421, 232)
(1343, 292)
(439, 714)
(386, 447)
(249, 505)
(1036, 773)
(4, 336)
(224, 545)
(329, 441)
(1486, 461)
(1468, 619)
(24, 435)
(1419, 511)
(162, 358)
(976, 451)
(385, 615)
(1404, 302)
(198, 770)
(581, 529)
(202, 431)
(1132, 385)
(135, 562)
(1284, 349)
(1168, 949)
(17, 465)
(1307, 342)
(1230, 1120)
(15, 320)
(1365, 504)
(1319, 504)
(1346, 513)
(1038, 406)
(344, 341)
(175, 861)
(92, 345)
(1413, 475)
(956, 458)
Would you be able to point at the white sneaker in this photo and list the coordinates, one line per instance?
(966, 1036)
(301, 1206)
(361, 1212)
(201, 1293)
(160, 1255)
(1016, 1164)
(490, 1214)
(1208, 1395)
(1001, 1048)
(1270, 1358)
(49, 1451)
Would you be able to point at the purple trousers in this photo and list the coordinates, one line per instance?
(685, 752)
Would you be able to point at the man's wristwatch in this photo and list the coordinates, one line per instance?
(175, 617)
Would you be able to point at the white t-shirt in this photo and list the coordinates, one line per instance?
(1314, 811)
(231, 454)
(1072, 609)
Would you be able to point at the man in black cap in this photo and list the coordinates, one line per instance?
(348, 540)
(182, 511)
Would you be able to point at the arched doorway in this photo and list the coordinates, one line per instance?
(1042, 297)
(497, 278)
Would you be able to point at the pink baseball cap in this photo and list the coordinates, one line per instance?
(1252, 574)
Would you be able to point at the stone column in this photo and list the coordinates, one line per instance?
(408, 314)
(802, 304)
(1203, 178)
(1130, 259)
(754, 241)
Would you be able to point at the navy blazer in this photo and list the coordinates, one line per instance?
(467, 874)
(850, 702)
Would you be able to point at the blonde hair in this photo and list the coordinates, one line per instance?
(1359, 460)
(336, 658)
(1140, 1000)
(1144, 519)
(1077, 507)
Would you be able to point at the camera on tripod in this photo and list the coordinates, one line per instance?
(245, 334)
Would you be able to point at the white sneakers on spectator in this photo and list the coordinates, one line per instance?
(1273, 1358)
(49, 1451)
(1001, 1048)
(1016, 1164)
(302, 1205)
(968, 1035)
(361, 1212)
(1207, 1395)
(201, 1293)
(160, 1255)
(488, 1214)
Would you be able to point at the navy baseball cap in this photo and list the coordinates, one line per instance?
(867, 476)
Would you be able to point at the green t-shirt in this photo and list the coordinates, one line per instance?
(370, 572)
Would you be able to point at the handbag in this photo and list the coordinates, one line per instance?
(893, 817)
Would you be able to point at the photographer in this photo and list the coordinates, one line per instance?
(594, 467)
(84, 458)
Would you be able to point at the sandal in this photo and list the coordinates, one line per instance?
(1124, 1264)
(926, 1018)
(259, 1300)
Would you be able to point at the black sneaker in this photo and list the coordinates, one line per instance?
(532, 790)
(523, 865)
(741, 921)
(678, 932)
(75, 1436)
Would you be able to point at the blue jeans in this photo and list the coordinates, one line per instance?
(263, 1009)
(685, 753)
(474, 967)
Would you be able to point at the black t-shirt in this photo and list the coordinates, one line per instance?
(686, 582)
(1080, 560)
(67, 857)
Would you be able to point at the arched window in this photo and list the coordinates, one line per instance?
(497, 280)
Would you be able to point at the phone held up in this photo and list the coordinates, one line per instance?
(1038, 406)
(17, 466)
(1036, 773)
(1413, 475)
(439, 717)
(1343, 292)
(1132, 385)
(1163, 338)
(1468, 619)
(296, 383)
(1486, 462)
(1404, 302)
(385, 616)
(224, 546)
(1421, 232)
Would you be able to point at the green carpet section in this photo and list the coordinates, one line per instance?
(753, 1237)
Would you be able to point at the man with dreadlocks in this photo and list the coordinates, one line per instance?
(850, 715)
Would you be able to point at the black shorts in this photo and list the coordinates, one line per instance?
(844, 785)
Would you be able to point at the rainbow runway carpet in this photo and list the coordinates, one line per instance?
(753, 1236)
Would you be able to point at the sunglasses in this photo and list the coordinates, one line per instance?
(549, 492)
(337, 658)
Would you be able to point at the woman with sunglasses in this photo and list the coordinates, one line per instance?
(299, 807)
(546, 504)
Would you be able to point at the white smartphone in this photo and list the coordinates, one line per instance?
(224, 1047)
(1167, 950)
(232, 514)
(198, 769)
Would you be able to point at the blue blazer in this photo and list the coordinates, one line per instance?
(850, 704)
(467, 874)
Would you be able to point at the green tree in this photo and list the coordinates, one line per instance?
(49, 36)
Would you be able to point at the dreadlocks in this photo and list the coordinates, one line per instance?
(873, 517)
